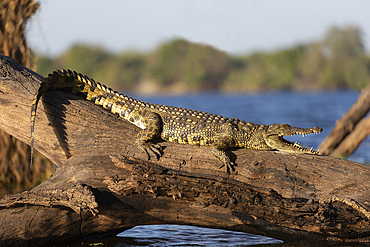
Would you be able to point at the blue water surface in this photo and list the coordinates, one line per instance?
(180, 235)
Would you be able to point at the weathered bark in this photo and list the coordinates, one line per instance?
(108, 185)
(353, 139)
(332, 145)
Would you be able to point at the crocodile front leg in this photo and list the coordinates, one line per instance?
(218, 150)
(152, 127)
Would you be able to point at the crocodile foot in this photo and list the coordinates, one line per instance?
(224, 158)
(150, 149)
(229, 167)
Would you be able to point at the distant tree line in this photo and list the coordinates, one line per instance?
(338, 61)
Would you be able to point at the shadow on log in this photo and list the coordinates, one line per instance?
(107, 185)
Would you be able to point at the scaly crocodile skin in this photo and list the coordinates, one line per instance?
(175, 124)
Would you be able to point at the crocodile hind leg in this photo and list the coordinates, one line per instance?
(218, 150)
(153, 125)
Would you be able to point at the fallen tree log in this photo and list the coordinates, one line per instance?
(349, 144)
(349, 131)
(103, 183)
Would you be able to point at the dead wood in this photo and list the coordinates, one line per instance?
(353, 139)
(332, 145)
(106, 184)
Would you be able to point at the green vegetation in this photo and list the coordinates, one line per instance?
(121, 71)
(265, 71)
(338, 61)
(199, 67)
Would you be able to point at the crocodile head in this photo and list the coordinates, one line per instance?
(274, 138)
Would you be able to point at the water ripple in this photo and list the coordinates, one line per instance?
(183, 235)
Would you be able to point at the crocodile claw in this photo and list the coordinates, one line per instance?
(151, 149)
(229, 166)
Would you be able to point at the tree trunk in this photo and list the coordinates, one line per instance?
(107, 185)
(342, 132)
(353, 139)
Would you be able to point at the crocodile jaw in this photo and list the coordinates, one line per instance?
(279, 143)
(274, 138)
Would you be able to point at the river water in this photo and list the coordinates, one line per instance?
(298, 109)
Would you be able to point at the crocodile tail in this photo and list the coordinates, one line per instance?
(62, 80)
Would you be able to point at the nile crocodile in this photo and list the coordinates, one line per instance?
(175, 124)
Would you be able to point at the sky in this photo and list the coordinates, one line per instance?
(235, 26)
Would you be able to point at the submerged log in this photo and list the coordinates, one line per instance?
(103, 183)
(349, 131)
